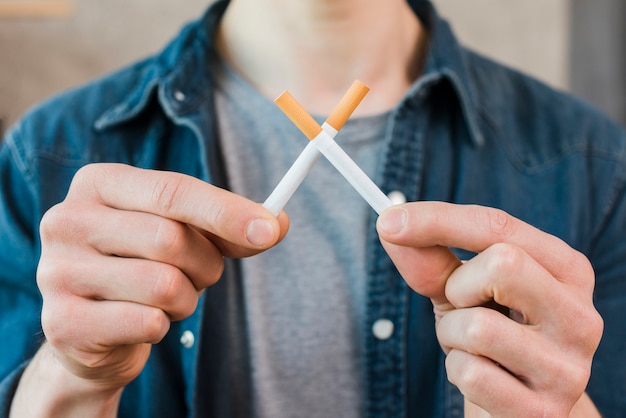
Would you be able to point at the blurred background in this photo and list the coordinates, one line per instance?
(47, 46)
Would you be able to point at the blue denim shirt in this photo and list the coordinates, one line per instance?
(469, 131)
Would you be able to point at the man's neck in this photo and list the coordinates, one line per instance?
(317, 48)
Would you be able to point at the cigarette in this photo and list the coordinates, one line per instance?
(292, 179)
(333, 152)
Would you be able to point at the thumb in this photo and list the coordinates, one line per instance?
(425, 268)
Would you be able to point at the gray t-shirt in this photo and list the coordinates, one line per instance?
(304, 298)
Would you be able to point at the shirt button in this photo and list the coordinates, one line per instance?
(383, 329)
(179, 95)
(187, 339)
(397, 197)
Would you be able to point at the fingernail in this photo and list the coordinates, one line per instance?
(392, 221)
(260, 232)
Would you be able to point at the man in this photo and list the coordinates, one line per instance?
(523, 184)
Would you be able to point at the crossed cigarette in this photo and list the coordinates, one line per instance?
(322, 142)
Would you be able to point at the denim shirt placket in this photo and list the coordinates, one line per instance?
(386, 362)
(385, 359)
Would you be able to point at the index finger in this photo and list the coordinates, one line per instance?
(179, 197)
(420, 225)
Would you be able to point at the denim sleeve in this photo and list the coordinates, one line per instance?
(20, 302)
(607, 386)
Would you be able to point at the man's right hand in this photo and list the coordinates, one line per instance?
(127, 252)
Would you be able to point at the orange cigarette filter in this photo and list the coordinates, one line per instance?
(298, 115)
(348, 103)
(337, 118)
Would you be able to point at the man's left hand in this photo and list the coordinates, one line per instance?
(517, 321)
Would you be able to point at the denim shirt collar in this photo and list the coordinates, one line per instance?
(446, 60)
(180, 73)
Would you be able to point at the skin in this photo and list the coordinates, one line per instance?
(127, 252)
(130, 250)
(541, 281)
(347, 34)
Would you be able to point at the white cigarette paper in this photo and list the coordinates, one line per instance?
(352, 172)
(290, 182)
(296, 174)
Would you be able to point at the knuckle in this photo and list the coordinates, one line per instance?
(500, 224)
(48, 324)
(169, 239)
(188, 307)
(173, 293)
(218, 269)
(591, 327)
(579, 374)
(55, 220)
(168, 284)
(51, 273)
(155, 324)
(567, 370)
(212, 274)
(585, 334)
(219, 215)
(581, 263)
(504, 257)
(84, 175)
(65, 223)
(85, 179)
(568, 381)
(478, 331)
(207, 276)
(166, 192)
(581, 267)
(470, 375)
(596, 329)
(55, 322)
(564, 375)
